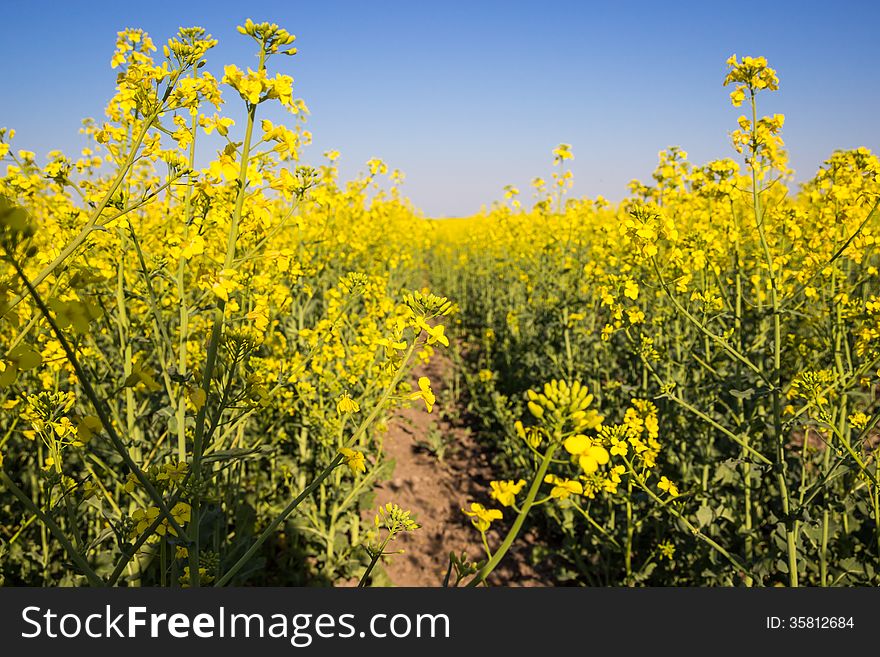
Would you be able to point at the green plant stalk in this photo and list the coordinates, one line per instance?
(27, 523)
(68, 503)
(163, 563)
(12, 425)
(101, 408)
(270, 529)
(596, 525)
(163, 347)
(746, 466)
(37, 493)
(569, 360)
(445, 583)
(485, 542)
(86, 230)
(374, 559)
(630, 528)
(125, 339)
(123, 327)
(687, 523)
(838, 329)
(823, 549)
(727, 432)
(184, 310)
(57, 532)
(712, 336)
(781, 469)
(152, 298)
(520, 519)
(875, 498)
(214, 343)
(802, 484)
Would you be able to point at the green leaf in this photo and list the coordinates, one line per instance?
(24, 357)
(704, 516)
(748, 393)
(8, 376)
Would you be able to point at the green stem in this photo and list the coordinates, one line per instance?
(687, 523)
(781, 463)
(184, 310)
(373, 561)
(746, 465)
(214, 343)
(627, 554)
(270, 529)
(520, 519)
(596, 525)
(52, 526)
(100, 406)
(86, 230)
(717, 339)
(727, 432)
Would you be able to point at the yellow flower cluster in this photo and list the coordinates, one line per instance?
(717, 295)
(563, 408)
(204, 318)
(144, 518)
(190, 336)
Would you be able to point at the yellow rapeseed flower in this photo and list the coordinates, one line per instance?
(588, 454)
(666, 485)
(425, 393)
(354, 460)
(481, 517)
(563, 488)
(346, 404)
(505, 492)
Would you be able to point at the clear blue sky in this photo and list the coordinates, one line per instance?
(466, 97)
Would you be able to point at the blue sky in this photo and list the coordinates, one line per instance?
(466, 97)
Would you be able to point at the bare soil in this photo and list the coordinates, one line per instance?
(436, 490)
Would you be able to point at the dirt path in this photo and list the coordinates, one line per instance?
(435, 491)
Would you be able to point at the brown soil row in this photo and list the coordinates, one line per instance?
(435, 491)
